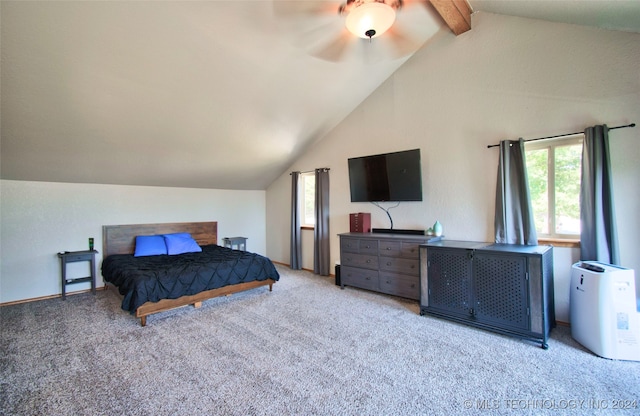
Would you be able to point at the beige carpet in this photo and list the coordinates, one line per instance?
(308, 347)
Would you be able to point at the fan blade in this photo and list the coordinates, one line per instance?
(408, 4)
(419, 19)
(314, 25)
(402, 43)
(302, 8)
(335, 50)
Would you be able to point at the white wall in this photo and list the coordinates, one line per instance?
(506, 78)
(39, 219)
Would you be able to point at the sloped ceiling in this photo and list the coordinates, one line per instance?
(210, 94)
(206, 94)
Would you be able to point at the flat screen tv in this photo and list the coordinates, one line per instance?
(390, 177)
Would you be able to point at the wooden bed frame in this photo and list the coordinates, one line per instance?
(120, 239)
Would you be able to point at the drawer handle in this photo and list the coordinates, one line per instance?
(368, 261)
(368, 278)
(367, 246)
(388, 248)
(389, 263)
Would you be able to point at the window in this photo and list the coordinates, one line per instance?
(308, 183)
(553, 170)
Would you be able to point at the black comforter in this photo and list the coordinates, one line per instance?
(152, 278)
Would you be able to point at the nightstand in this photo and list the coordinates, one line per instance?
(72, 257)
(239, 242)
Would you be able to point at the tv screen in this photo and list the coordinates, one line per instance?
(392, 177)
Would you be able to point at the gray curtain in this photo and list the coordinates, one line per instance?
(321, 254)
(514, 222)
(598, 235)
(296, 247)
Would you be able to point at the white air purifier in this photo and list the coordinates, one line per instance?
(605, 315)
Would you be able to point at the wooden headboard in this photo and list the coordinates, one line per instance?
(121, 239)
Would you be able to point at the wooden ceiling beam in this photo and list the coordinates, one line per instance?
(455, 13)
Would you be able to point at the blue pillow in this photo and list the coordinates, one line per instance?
(150, 245)
(179, 243)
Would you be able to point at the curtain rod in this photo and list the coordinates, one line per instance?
(310, 171)
(566, 134)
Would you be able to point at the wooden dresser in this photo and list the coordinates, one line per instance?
(386, 263)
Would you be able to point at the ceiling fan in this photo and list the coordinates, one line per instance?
(355, 29)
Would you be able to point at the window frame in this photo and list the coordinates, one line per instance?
(557, 239)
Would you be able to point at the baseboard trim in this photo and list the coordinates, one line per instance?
(59, 295)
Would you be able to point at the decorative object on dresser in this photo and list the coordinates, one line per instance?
(386, 263)
(153, 280)
(506, 288)
(360, 222)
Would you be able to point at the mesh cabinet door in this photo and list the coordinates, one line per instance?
(449, 281)
(500, 290)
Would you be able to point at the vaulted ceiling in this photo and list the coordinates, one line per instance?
(209, 94)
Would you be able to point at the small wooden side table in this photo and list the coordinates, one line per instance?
(239, 242)
(74, 256)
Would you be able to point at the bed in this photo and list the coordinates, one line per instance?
(156, 283)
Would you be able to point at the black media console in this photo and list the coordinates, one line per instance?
(506, 288)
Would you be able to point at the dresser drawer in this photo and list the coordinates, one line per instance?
(360, 260)
(410, 249)
(349, 245)
(390, 248)
(407, 249)
(362, 278)
(369, 247)
(400, 265)
(77, 256)
(400, 285)
(359, 245)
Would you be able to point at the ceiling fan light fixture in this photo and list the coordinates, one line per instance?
(370, 19)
